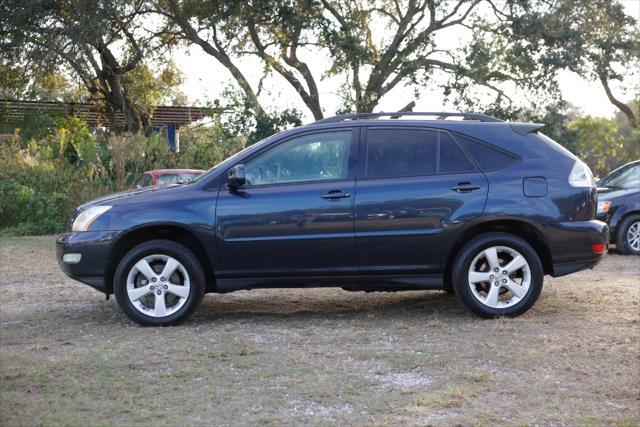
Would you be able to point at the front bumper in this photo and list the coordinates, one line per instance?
(94, 248)
(572, 245)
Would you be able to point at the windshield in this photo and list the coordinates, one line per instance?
(625, 177)
(175, 178)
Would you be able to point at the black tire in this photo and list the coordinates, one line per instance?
(448, 288)
(622, 242)
(460, 274)
(160, 247)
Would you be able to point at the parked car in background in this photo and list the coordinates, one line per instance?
(166, 177)
(619, 206)
(481, 207)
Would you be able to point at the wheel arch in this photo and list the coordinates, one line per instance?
(167, 231)
(623, 214)
(517, 227)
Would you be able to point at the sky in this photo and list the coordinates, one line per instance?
(205, 79)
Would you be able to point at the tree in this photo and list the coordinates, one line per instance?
(373, 46)
(599, 142)
(102, 42)
(593, 38)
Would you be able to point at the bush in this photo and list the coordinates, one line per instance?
(43, 180)
(38, 194)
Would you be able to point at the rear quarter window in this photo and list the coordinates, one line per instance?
(486, 156)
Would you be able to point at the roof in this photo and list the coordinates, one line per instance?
(440, 115)
(171, 171)
(16, 111)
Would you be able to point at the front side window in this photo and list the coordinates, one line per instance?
(314, 157)
(401, 152)
(139, 182)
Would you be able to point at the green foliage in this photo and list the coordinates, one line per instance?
(38, 193)
(154, 86)
(42, 180)
(601, 144)
(595, 39)
(237, 117)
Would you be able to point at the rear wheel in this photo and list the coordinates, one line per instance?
(628, 236)
(498, 274)
(159, 283)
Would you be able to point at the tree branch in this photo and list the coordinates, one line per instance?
(626, 110)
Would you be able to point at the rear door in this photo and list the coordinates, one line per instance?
(414, 186)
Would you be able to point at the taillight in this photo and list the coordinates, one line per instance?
(600, 248)
(581, 175)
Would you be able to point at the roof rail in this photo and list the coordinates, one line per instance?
(395, 115)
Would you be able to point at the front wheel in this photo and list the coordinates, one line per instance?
(498, 274)
(628, 236)
(159, 283)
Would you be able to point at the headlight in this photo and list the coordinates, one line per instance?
(603, 207)
(87, 216)
(581, 175)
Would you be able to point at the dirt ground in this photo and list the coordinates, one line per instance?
(320, 356)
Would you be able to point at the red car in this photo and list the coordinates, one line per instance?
(166, 177)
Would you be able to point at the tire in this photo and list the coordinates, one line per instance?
(625, 242)
(149, 298)
(516, 291)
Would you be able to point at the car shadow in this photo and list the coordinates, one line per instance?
(273, 304)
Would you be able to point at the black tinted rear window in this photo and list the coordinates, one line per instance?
(452, 158)
(487, 157)
(400, 152)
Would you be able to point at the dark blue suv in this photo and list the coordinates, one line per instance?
(479, 207)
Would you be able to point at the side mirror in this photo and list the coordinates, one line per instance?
(236, 176)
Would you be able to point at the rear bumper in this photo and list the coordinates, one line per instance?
(572, 245)
(93, 248)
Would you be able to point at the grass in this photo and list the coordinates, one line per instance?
(317, 356)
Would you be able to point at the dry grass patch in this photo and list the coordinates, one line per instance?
(317, 356)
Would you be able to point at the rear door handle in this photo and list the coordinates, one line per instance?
(335, 195)
(465, 187)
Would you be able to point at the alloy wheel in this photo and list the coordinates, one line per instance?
(499, 277)
(158, 285)
(633, 236)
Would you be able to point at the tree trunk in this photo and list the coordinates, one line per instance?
(633, 120)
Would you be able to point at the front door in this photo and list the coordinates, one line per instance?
(413, 186)
(294, 217)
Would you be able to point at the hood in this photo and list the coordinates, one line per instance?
(129, 196)
(605, 193)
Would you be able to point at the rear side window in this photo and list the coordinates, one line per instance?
(487, 157)
(452, 158)
(401, 152)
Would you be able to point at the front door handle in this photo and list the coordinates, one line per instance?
(465, 187)
(335, 195)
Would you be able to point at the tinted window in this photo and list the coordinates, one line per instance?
(315, 157)
(486, 156)
(400, 152)
(452, 158)
(627, 177)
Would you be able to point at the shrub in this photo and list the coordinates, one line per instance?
(43, 180)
